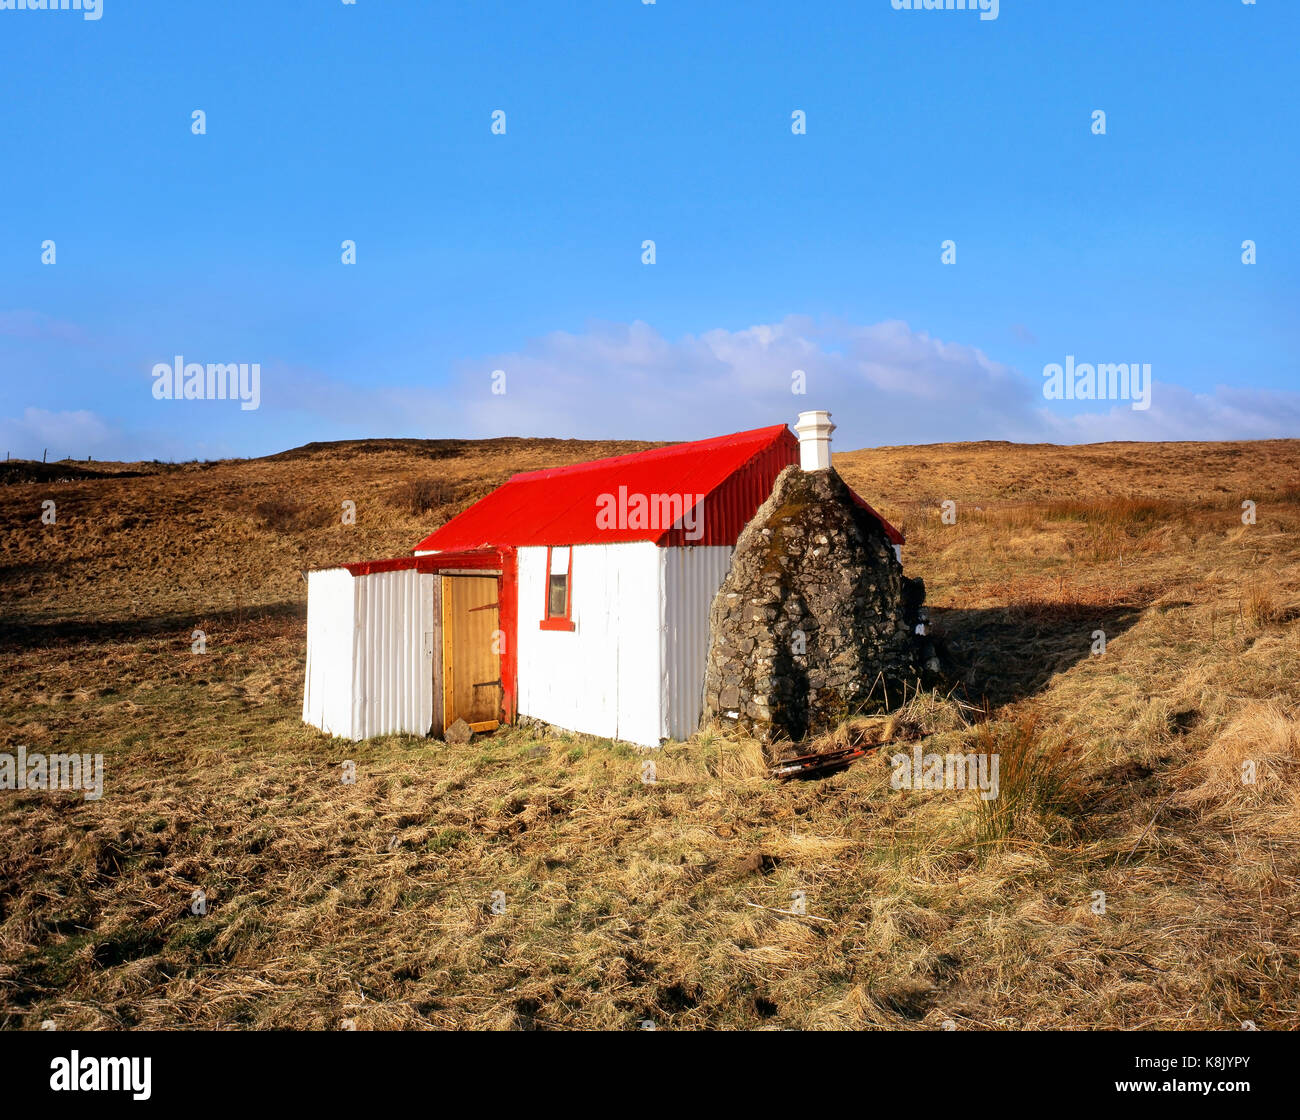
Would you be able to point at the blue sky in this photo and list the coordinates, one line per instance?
(626, 121)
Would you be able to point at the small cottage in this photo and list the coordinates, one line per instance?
(579, 596)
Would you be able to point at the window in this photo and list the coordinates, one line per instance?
(558, 595)
(559, 589)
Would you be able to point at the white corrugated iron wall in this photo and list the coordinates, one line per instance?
(636, 614)
(393, 679)
(690, 579)
(369, 653)
(603, 677)
(331, 626)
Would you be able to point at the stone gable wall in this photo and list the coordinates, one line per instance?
(815, 620)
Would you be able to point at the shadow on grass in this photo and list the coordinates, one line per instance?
(1005, 654)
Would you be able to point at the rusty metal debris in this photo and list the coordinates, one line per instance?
(821, 763)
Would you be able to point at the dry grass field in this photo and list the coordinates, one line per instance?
(372, 902)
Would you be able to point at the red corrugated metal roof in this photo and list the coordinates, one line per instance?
(719, 482)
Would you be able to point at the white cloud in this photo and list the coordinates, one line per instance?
(885, 382)
(75, 434)
(1180, 414)
(79, 433)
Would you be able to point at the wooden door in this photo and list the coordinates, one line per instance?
(471, 666)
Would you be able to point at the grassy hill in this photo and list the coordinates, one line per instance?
(372, 902)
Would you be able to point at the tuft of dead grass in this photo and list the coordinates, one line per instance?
(1251, 766)
(1035, 787)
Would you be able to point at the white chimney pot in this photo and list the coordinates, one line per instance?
(814, 430)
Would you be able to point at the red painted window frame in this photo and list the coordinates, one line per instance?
(556, 621)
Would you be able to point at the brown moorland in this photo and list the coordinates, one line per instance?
(371, 903)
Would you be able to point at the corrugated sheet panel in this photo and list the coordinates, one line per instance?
(327, 687)
(690, 580)
(369, 653)
(393, 656)
(727, 509)
(603, 677)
